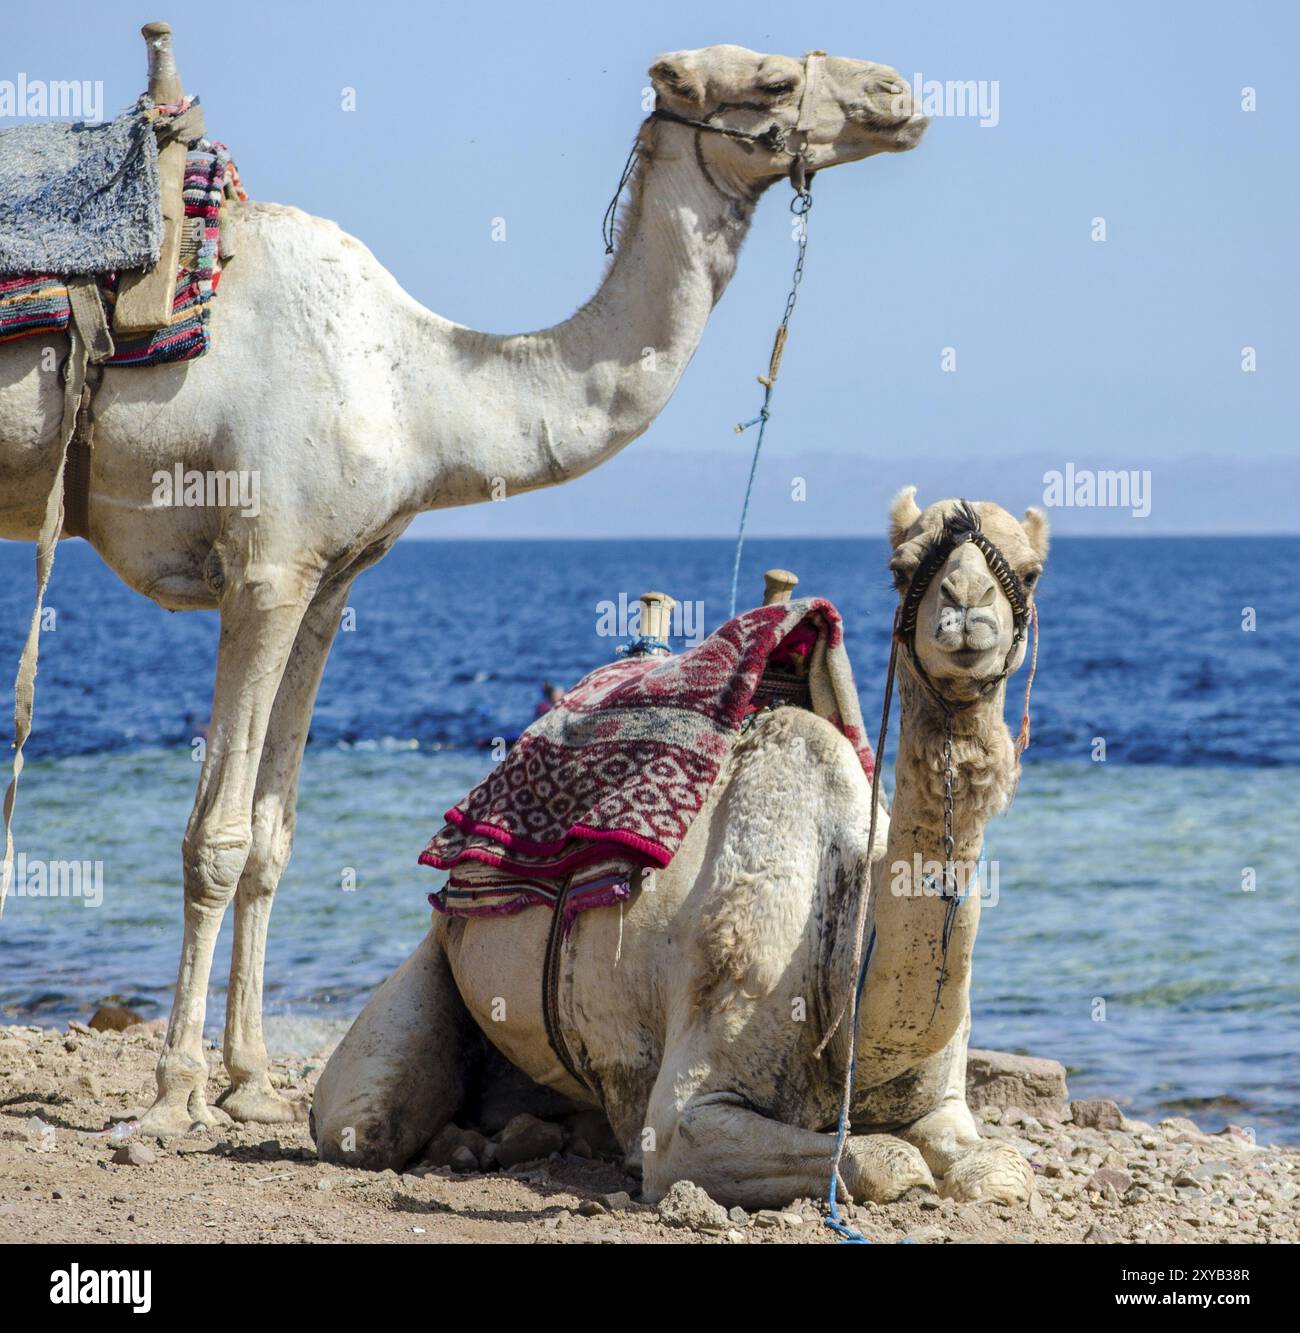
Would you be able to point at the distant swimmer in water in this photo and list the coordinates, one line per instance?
(551, 695)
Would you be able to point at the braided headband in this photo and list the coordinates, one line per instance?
(962, 525)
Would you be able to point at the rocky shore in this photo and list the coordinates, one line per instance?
(73, 1167)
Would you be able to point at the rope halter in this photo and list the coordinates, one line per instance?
(775, 138)
(961, 526)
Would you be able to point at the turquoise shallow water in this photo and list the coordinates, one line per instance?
(1119, 882)
(1114, 885)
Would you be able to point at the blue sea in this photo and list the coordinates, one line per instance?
(1146, 929)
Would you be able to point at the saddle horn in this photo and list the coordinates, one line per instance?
(164, 77)
(656, 615)
(778, 585)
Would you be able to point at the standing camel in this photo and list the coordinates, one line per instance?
(358, 409)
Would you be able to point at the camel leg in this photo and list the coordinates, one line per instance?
(973, 1169)
(742, 1158)
(259, 622)
(250, 1095)
(401, 1072)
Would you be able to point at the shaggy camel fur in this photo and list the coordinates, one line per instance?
(695, 1018)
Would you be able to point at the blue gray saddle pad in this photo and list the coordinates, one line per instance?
(78, 198)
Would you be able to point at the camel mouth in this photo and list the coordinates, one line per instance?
(910, 133)
(966, 656)
(965, 635)
(892, 114)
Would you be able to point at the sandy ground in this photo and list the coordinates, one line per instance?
(59, 1091)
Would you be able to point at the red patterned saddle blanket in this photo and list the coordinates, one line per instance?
(610, 780)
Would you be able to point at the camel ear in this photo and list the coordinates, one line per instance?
(1035, 525)
(903, 512)
(673, 77)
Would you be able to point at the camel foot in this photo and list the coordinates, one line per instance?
(879, 1168)
(260, 1102)
(991, 1173)
(170, 1120)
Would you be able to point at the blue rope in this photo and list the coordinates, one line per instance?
(639, 647)
(761, 422)
(799, 206)
(833, 1219)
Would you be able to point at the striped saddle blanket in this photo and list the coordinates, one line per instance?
(609, 781)
(38, 303)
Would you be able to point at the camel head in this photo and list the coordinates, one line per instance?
(825, 108)
(965, 623)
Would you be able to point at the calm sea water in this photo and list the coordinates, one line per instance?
(1123, 942)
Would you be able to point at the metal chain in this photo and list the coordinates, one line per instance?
(948, 890)
(800, 206)
(949, 844)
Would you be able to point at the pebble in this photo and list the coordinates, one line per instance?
(114, 1018)
(527, 1139)
(135, 1153)
(1108, 1178)
(463, 1161)
(1097, 1113)
(689, 1207)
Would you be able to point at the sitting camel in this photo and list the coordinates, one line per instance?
(699, 1014)
(359, 409)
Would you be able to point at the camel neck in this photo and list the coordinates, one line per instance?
(515, 413)
(909, 911)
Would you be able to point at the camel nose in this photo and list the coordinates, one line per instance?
(969, 587)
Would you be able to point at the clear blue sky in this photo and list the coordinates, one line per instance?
(1124, 354)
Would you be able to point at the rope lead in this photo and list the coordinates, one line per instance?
(800, 206)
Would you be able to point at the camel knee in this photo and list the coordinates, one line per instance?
(366, 1113)
(355, 1135)
(703, 1142)
(400, 1072)
(268, 852)
(214, 860)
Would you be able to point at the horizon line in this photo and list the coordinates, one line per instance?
(820, 537)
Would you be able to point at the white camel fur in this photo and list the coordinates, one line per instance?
(359, 409)
(696, 1017)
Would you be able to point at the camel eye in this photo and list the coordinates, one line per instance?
(779, 89)
(1030, 577)
(899, 575)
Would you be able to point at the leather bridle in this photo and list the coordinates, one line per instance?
(961, 526)
(776, 138)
